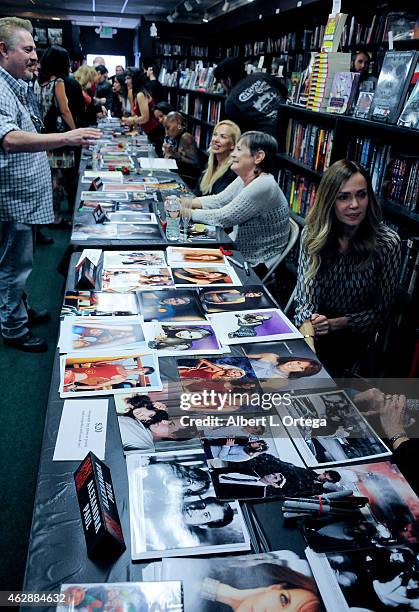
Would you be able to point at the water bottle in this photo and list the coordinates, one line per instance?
(172, 208)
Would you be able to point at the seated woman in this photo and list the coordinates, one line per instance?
(253, 202)
(181, 146)
(161, 110)
(218, 174)
(348, 268)
(142, 110)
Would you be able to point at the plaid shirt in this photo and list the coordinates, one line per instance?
(25, 178)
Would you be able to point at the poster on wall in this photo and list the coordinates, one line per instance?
(55, 36)
(40, 36)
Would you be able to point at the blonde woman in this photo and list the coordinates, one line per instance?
(218, 174)
(348, 269)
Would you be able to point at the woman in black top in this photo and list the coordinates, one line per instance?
(218, 173)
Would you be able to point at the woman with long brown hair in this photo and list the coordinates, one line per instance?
(348, 268)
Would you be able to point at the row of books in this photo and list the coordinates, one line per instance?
(299, 191)
(409, 264)
(401, 24)
(394, 176)
(163, 48)
(202, 79)
(309, 144)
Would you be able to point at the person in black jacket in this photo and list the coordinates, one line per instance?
(104, 87)
(252, 100)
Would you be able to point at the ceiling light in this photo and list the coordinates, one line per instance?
(55, 19)
(226, 6)
(205, 18)
(187, 5)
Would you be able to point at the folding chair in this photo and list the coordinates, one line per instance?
(292, 239)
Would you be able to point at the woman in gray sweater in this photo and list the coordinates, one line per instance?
(253, 202)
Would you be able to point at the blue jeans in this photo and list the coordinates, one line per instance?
(16, 261)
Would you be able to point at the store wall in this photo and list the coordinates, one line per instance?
(122, 43)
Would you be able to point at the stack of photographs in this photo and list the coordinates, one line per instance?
(112, 596)
(188, 519)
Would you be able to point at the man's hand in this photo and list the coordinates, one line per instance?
(229, 442)
(393, 414)
(82, 136)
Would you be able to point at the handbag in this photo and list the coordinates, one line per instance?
(53, 121)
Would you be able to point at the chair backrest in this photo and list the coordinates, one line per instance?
(292, 239)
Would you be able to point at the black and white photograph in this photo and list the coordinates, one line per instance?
(265, 582)
(40, 36)
(188, 519)
(377, 580)
(335, 432)
(55, 36)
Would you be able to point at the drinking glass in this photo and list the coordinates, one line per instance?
(185, 213)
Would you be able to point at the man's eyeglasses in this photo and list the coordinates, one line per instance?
(38, 123)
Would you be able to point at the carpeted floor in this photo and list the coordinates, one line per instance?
(25, 385)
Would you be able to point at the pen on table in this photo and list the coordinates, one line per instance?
(246, 268)
(344, 503)
(288, 505)
(338, 494)
(235, 262)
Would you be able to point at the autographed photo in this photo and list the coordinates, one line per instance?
(392, 513)
(104, 373)
(340, 433)
(101, 231)
(139, 231)
(217, 276)
(132, 259)
(178, 256)
(133, 217)
(170, 305)
(108, 196)
(253, 325)
(141, 596)
(188, 518)
(287, 365)
(99, 303)
(383, 579)
(266, 582)
(86, 334)
(123, 280)
(173, 338)
(235, 299)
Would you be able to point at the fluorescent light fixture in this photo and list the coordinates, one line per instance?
(55, 19)
(226, 6)
(205, 18)
(187, 5)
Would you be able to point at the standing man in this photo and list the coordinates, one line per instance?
(252, 100)
(25, 182)
(104, 87)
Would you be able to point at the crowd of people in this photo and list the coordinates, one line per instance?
(349, 259)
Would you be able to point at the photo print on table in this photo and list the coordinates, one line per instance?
(125, 186)
(98, 231)
(220, 385)
(108, 196)
(383, 579)
(146, 423)
(265, 582)
(132, 259)
(391, 515)
(131, 280)
(246, 297)
(290, 364)
(170, 339)
(106, 373)
(137, 232)
(99, 304)
(79, 334)
(182, 256)
(218, 276)
(143, 205)
(253, 326)
(141, 596)
(198, 232)
(170, 305)
(188, 519)
(141, 218)
(339, 434)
